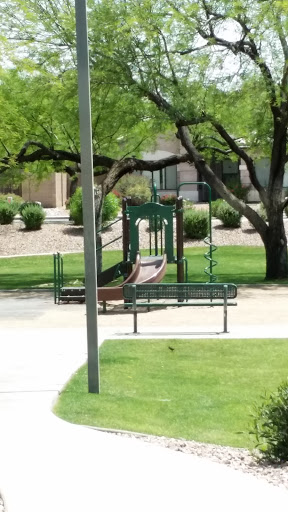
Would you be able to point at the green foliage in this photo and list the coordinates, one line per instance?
(109, 211)
(136, 187)
(196, 224)
(15, 198)
(7, 212)
(215, 205)
(168, 199)
(238, 189)
(76, 210)
(33, 216)
(270, 426)
(24, 205)
(230, 217)
(110, 207)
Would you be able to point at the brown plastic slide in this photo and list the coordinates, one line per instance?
(150, 269)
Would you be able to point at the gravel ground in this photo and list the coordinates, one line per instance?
(68, 238)
(65, 237)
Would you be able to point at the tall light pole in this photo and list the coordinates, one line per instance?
(87, 180)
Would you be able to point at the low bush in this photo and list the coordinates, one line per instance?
(168, 199)
(109, 212)
(110, 207)
(196, 224)
(16, 200)
(24, 205)
(7, 212)
(76, 210)
(270, 426)
(230, 217)
(215, 205)
(33, 216)
(136, 187)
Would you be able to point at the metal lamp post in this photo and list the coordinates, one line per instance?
(87, 178)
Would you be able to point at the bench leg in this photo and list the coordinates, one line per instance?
(134, 309)
(225, 307)
(135, 321)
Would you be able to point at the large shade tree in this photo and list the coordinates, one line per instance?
(216, 70)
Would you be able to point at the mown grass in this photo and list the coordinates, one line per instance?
(238, 264)
(204, 390)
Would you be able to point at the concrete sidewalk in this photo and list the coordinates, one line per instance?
(49, 465)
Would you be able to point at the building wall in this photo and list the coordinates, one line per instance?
(51, 192)
(170, 145)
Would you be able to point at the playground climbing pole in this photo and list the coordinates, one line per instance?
(208, 240)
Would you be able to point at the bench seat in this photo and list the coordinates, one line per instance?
(186, 294)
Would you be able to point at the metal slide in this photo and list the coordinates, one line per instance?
(148, 269)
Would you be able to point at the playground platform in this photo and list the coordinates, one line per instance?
(50, 465)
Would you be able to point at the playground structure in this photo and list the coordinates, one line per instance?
(148, 269)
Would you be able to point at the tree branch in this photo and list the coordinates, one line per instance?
(242, 154)
(122, 166)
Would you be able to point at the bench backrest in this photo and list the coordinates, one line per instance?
(183, 291)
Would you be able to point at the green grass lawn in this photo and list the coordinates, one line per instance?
(203, 390)
(241, 265)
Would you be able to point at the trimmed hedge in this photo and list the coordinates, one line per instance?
(7, 212)
(33, 216)
(196, 224)
(230, 217)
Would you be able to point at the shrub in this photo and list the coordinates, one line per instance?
(110, 207)
(137, 187)
(76, 210)
(238, 189)
(168, 199)
(270, 426)
(109, 212)
(196, 224)
(33, 216)
(16, 200)
(215, 205)
(230, 217)
(7, 212)
(25, 204)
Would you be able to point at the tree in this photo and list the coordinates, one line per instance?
(219, 72)
(216, 70)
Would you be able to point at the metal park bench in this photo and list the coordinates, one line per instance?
(179, 294)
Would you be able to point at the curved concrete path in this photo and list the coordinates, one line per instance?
(49, 465)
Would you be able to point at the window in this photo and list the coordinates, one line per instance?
(262, 168)
(165, 179)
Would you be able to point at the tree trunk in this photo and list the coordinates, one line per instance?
(275, 242)
(98, 197)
